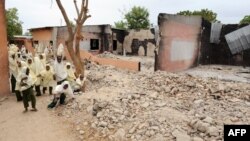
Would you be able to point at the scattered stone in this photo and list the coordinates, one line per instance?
(198, 102)
(145, 105)
(149, 106)
(157, 137)
(119, 135)
(153, 95)
(181, 136)
(213, 131)
(103, 124)
(81, 132)
(85, 123)
(162, 104)
(208, 120)
(99, 114)
(197, 139)
(155, 128)
(78, 128)
(81, 137)
(162, 119)
(152, 132)
(132, 130)
(90, 109)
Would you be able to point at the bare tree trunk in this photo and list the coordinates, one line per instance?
(4, 71)
(75, 35)
(76, 61)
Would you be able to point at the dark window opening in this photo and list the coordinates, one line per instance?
(34, 43)
(94, 44)
(51, 43)
(114, 45)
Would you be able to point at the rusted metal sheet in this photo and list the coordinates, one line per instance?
(239, 40)
(179, 42)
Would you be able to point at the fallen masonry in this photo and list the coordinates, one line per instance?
(120, 105)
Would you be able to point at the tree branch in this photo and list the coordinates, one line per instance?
(82, 10)
(65, 16)
(85, 18)
(85, 9)
(82, 17)
(77, 10)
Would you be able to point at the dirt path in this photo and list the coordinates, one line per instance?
(31, 126)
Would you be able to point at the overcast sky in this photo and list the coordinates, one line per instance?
(39, 13)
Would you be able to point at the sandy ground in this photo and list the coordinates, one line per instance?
(221, 72)
(43, 125)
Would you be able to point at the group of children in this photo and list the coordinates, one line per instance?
(29, 73)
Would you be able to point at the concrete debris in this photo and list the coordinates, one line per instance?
(81, 132)
(197, 139)
(208, 120)
(122, 105)
(181, 136)
(119, 135)
(158, 137)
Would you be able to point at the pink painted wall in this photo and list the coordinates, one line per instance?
(4, 65)
(179, 45)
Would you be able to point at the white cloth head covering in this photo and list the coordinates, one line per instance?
(71, 73)
(11, 52)
(59, 89)
(12, 64)
(23, 64)
(13, 47)
(60, 50)
(68, 64)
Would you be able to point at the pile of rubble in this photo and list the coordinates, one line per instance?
(107, 54)
(156, 106)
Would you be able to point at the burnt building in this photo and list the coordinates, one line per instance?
(100, 38)
(187, 41)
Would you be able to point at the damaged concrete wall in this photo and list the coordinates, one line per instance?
(179, 42)
(140, 42)
(220, 53)
(101, 34)
(118, 36)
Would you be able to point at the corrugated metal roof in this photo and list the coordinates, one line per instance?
(239, 40)
(215, 33)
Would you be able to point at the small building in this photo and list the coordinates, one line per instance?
(44, 36)
(99, 38)
(96, 38)
(187, 41)
(140, 42)
(21, 40)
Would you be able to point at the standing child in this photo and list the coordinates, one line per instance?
(26, 87)
(48, 79)
(71, 77)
